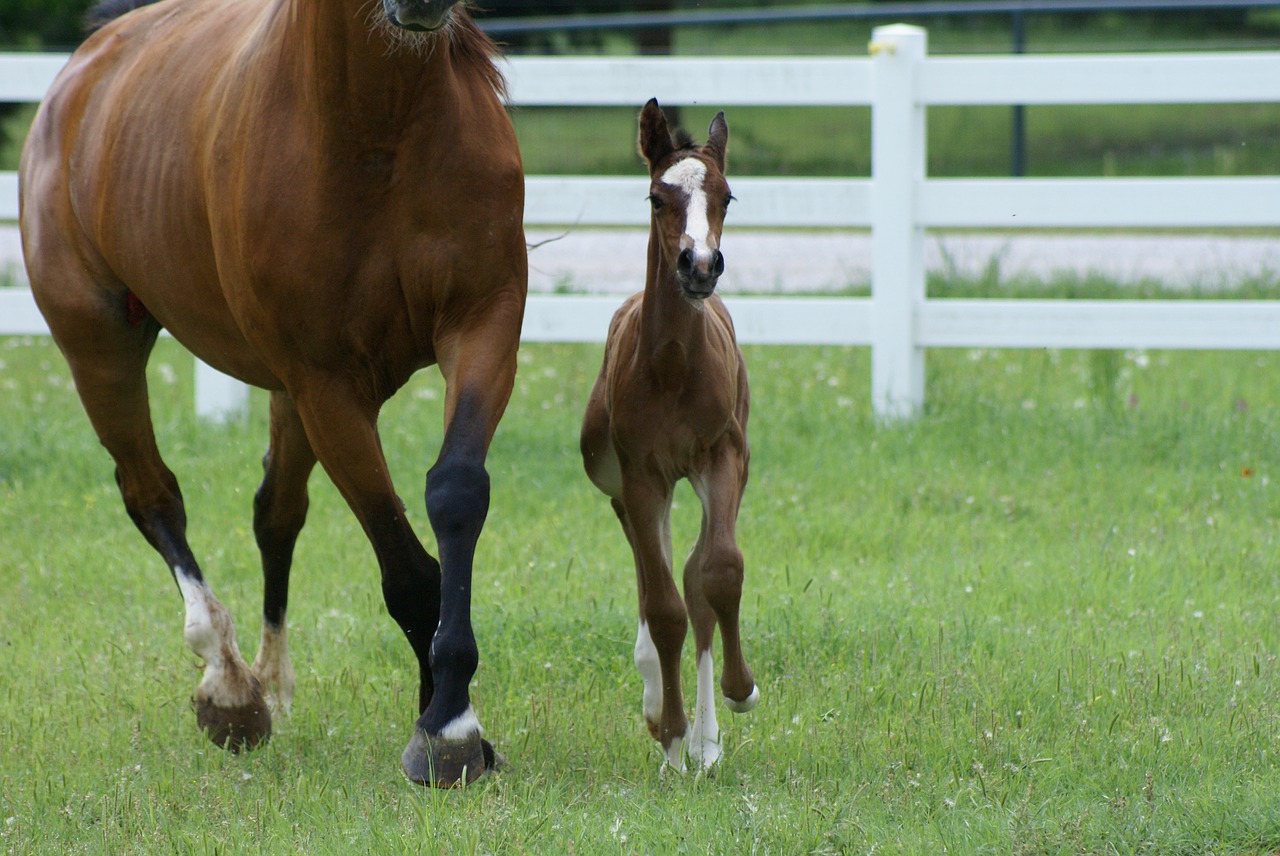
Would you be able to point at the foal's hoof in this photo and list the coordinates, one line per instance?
(746, 704)
(445, 763)
(234, 728)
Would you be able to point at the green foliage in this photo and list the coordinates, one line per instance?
(1027, 622)
(42, 24)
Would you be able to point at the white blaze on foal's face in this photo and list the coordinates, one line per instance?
(688, 175)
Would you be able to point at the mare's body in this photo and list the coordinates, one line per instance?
(319, 202)
(671, 402)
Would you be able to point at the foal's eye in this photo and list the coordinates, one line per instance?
(727, 200)
(655, 202)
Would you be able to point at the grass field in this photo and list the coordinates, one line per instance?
(1040, 619)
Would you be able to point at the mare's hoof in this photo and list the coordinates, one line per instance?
(234, 728)
(746, 704)
(493, 760)
(445, 763)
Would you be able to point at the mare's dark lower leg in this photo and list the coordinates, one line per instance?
(447, 746)
(410, 589)
(279, 512)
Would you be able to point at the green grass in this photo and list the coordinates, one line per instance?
(1041, 618)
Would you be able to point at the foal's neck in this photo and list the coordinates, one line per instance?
(672, 330)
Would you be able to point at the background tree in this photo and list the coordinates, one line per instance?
(42, 24)
(654, 40)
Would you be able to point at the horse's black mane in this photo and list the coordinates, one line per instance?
(106, 11)
(683, 139)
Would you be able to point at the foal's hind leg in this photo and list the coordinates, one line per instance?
(279, 511)
(108, 357)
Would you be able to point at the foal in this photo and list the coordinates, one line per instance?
(670, 402)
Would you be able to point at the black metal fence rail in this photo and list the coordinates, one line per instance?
(1015, 9)
(924, 9)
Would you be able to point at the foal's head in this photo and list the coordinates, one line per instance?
(419, 15)
(689, 195)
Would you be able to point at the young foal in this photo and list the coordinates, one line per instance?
(670, 402)
(319, 197)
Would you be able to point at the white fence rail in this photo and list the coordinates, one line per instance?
(898, 203)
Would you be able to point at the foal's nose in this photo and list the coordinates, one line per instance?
(699, 274)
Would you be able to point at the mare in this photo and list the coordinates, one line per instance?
(318, 197)
(671, 402)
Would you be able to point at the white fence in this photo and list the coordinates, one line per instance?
(898, 203)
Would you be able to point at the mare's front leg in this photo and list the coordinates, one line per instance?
(279, 511)
(479, 367)
(646, 509)
(340, 423)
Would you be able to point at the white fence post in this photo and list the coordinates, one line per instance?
(897, 239)
(220, 397)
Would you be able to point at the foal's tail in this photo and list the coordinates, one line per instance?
(106, 11)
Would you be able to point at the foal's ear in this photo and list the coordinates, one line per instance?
(655, 138)
(718, 139)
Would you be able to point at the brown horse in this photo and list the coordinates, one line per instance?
(671, 402)
(318, 197)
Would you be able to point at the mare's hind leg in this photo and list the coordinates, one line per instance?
(108, 355)
(279, 511)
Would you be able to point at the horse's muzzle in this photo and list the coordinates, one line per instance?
(419, 15)
(698, 276)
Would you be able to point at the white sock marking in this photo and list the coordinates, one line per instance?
(673, 754)
(746, 704)
(646, 656)
(688, 175)
(704, 742)
(466, 724)
(201, 630)
(210, 633)
(273, 668)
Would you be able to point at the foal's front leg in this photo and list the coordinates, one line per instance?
(713, 578)
(664, 622)
(718, 573)
(704, 737)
